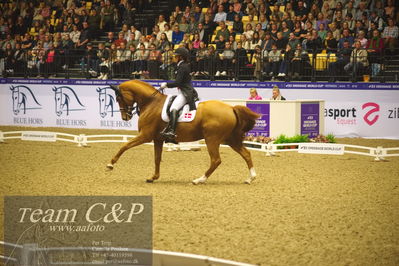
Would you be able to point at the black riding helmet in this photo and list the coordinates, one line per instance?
(183, 52)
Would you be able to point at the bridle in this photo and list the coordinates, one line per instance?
(134, 109)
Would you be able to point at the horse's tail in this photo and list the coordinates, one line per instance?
(245, 119)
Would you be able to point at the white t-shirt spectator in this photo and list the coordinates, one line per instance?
(220, 16)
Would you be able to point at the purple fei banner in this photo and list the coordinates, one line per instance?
(262, 125)
(310, 119)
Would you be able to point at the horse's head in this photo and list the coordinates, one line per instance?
(126, 102)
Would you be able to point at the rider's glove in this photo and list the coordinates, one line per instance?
(163, 85)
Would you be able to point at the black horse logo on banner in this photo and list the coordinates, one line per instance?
(106, 101)
(23, 99)
(66, 100)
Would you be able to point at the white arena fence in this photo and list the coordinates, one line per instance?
(28, 255)
(270, 149)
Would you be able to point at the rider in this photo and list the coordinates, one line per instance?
(186, 92)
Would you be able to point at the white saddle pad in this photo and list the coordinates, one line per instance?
(185, 116)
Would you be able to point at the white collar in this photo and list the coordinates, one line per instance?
(180, 62)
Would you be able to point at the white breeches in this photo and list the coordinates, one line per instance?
(179, 102)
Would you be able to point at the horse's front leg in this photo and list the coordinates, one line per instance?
(140, 139)
(158, 145)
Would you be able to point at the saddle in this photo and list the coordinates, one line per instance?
(185, 115)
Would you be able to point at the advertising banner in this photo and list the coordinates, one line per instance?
(368, 110)
(262, 125)
(310, 119)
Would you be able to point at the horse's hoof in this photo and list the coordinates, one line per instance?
(110, 166)
(200, 180)
(149, 180)
(249, 180)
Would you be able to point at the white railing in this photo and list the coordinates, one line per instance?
(270, 149)
(26, 255)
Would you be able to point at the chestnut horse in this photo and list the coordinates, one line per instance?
(215, 121)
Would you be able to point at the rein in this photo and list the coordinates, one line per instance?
(134, 108)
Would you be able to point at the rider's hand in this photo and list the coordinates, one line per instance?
(163, 85)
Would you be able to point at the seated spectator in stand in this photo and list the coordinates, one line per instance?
(32, 61)
(281, 42)
(330, 43)
(142, 55)
(209, 27)
(253, 95)
(346, 37)
(220, 43)
(132, 40)
(201, 59)
(343, 58)
(183, 24)
(18, 60)
(198, 15)
(359, 26)
(273, 62)
(231, 14)
(27, 42)
(120, 64)
(267, 41)
(177, 35)
(154, 62)
(285, 30)
(358, 59)
(245, 43)
(103, 55)
(301, 10)
(110, 38)
(292, 41)
(320, 21)
(220, 15)
(300, 63)
(136, 31)
(163, 43)
(224, 61)
(375, 48)
(49, 67)
(255, 40)
(121, 39)
(90, 61)
(168, 32)
(161, 22)
(238, 26)
(377, 20)
(222, 31)
(276, 95)
(322, 33)
(390, 36)
(192, 25)
(258, 57)
(196, 41)
(362, 39)
(249, 32)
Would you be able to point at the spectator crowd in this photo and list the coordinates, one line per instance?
(272, 39)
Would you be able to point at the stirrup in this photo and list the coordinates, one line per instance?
(169, 137)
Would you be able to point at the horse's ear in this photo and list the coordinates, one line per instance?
(116, 90)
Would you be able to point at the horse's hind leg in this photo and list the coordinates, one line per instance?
(158, 145)
(213, 150)
(140, 139)
(246, 155)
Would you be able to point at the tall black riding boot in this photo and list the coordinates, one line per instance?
(169, 132)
